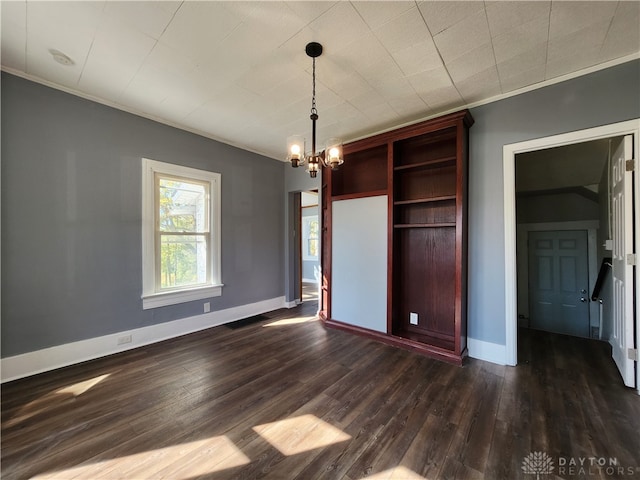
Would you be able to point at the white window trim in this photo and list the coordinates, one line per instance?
(150, 297)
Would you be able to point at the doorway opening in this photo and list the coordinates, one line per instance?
(562, 198)
(558, 218)
(309, 247)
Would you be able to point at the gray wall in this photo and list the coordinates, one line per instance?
(560, 207)
(71, 213)
(600, 98)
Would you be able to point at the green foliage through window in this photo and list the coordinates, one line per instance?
(182, 232)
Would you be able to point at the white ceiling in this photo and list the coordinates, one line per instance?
(237, 71)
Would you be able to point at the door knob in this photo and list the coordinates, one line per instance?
(582, 299)
(583, 291)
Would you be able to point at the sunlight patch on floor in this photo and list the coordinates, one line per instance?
(182, 461)
(55, 397)
(79, 388)
(291, 321)
(300, 434)
(398, 473)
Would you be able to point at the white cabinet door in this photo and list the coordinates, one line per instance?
(359, 262)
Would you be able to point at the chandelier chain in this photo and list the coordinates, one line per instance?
(313, 96)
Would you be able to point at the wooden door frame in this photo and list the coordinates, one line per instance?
(298, 247)
(509, 152)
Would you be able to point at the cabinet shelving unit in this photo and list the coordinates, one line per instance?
(368, 177)
(422, 169)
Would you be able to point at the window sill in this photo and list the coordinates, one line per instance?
(156, 300)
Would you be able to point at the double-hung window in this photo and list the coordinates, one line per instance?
(180, 234)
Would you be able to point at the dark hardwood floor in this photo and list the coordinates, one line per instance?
(309, 292)
(286, 399)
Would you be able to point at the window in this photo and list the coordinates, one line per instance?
(310, 229)
(180, 234)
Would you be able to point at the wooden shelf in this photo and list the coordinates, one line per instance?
(424, 225)
(429, 163)
(443, 341)
(350, 196)
(418, 212)
(425, 200)
(423, 183)
(364, 174)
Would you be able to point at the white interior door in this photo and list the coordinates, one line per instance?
(621, 339)
(559, 282)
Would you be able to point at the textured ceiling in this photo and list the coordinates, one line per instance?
(237, 71)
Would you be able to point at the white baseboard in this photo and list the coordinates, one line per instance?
(487, 351)
(39, 361)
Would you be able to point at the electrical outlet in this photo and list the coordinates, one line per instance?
(207, 307)
(413, 318)
(124, 339)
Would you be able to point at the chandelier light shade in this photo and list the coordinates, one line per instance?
(295, 150)
(331, 156)
(333, 153)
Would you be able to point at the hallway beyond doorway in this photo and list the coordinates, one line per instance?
(309, 292)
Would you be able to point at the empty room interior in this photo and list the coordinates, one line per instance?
(320, 240)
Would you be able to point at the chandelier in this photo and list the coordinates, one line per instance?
(331, 156)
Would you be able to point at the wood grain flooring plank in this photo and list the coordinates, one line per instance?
(508, 449)
(459, 386)
(427, 453)
(472, 440)
(399, 430)
(452, 469)
(365, 426)
(411, 420)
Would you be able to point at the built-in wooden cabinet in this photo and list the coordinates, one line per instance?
(367, 178)
(421, 170)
